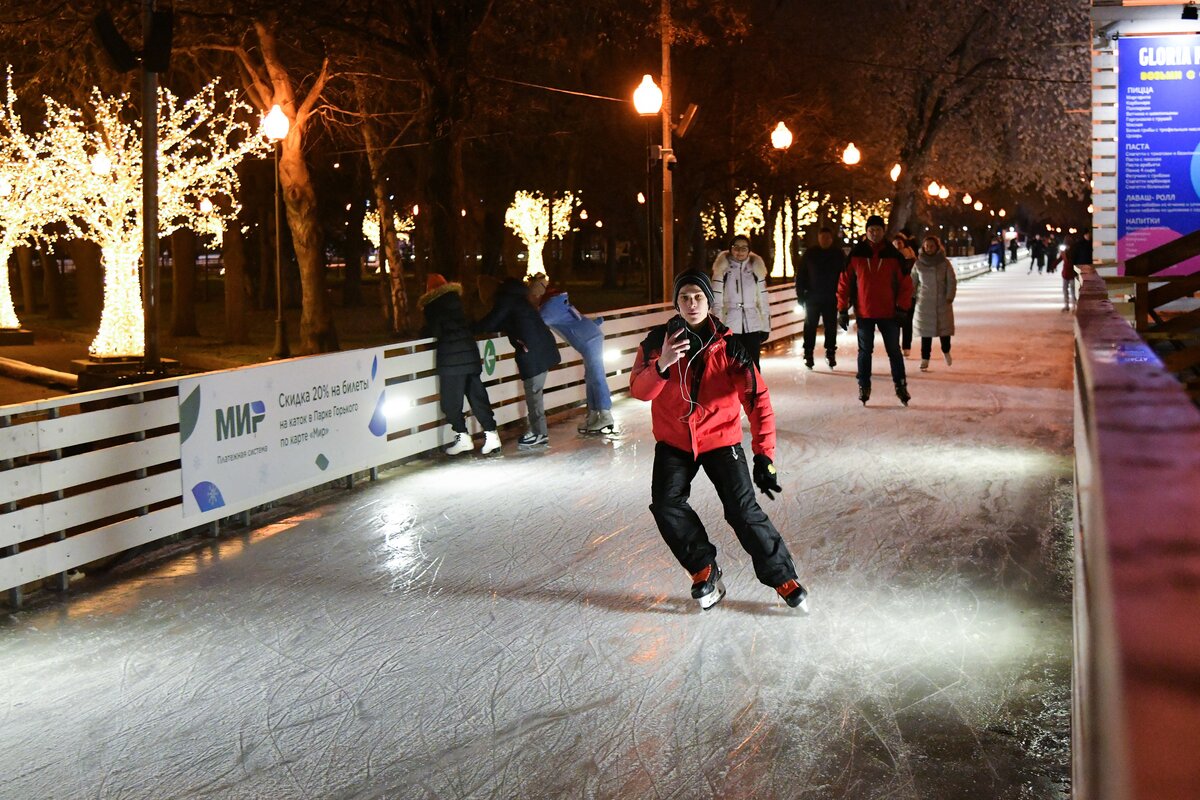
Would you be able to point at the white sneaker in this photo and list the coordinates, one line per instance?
(462, 444)
(924, 364)
(949, 360)
(491, 442)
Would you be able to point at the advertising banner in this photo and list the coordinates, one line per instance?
(247, 432)
(1158, 124)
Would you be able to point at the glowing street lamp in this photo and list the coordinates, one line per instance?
(647, 97)
(275, 127)
(978, 205)
(895, 173)
(101, 164)
(781, 137)
(967, 199)
(851, 155)
(1001, 213)
(934, 189)
(641, 198)
(943, 193)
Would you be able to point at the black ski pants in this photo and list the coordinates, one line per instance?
(454, 388)
(820, 312)
(682, 529)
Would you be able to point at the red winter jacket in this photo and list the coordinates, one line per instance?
(874, 282)
(715, 419)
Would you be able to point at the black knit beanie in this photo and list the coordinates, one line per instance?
(695, 278)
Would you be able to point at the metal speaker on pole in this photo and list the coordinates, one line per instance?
(120, 56)
(158, 41)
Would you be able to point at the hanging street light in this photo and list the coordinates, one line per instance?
(851, 155)
(781, 137)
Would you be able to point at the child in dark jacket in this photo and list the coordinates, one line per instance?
(458, 365)
(536, 352)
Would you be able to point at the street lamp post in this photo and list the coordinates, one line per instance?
(647, 100)
(275, 126)
(851, 156)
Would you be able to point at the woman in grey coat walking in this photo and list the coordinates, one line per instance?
(934, 286)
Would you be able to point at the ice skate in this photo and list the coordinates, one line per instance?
(491, 442)
(902, 392)
(707, 587)
(462, 444)
(924, 365)
(588, 424)
(808, 360)
(794, 595)
(533, 441)
(830, 360)
(864, 394)
(601, 424)
(949, 360)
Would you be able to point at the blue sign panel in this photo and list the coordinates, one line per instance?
(1158, 159)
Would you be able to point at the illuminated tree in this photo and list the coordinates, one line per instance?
(748, 217)
(29, 201)
(535, 220)
(403, 227)
(98, 157)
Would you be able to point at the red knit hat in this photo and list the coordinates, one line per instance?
(434, 281)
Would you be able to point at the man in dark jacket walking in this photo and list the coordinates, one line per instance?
(816, 290)
(536, 352)
(881, 292)
(458, 365)
(698, 378)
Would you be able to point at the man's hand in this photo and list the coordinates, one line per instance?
(901, 315)
(844, 320)
(674, 348)
(765, 476)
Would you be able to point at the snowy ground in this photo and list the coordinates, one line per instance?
(514, 627)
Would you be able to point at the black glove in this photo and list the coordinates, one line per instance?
(901, 315)
(844, 320)
(765, 476)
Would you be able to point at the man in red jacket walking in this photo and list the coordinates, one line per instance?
(880, 290)
(698, 379)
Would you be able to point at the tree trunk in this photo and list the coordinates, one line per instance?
(89, 279)
(389, 242)
(28, 287)
(443, 186)
(233, 257)
(183, 283)
(354, 253)
(52, 287)
(300, 198)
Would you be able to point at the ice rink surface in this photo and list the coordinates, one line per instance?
(514, 627)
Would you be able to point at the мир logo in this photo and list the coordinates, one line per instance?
(239, 420)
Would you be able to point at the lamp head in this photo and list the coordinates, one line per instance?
(275, 124)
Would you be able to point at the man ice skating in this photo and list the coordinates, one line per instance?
(880, 290)
(698, 380)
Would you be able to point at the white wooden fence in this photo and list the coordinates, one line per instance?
(90, 475)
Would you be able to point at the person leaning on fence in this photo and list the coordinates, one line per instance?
(458, 365)
(584, 335)
(536, 352)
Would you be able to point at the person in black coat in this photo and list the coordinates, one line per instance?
(458, 364)
(536, 351)
(816, 290)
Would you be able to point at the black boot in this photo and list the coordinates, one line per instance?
(864, 394)
(902, 392)
(829, 359)
(808, 359)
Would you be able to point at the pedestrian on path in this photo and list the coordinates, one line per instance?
(585, 336)
(1012, 249)
(698, 379)
(996, 255)
(458, 365)
(536, 352)
(1075, 249)
(739, 281)
(1037, 254)
(934, 288)
(875, 284)
(816, 290)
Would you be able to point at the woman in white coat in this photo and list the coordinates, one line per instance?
(934, 286)
(739, 282)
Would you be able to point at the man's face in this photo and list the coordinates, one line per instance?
(739, 250)
(693, 304)
(875, 234)
(825, 239)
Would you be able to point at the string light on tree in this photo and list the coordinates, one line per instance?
(96, 160)
(535, 220)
